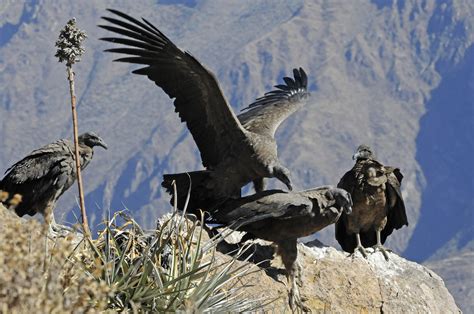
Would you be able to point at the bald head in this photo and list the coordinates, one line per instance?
(363, 152)
(91, 139)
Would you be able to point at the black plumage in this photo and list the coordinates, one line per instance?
(40, 178)
(234, 150)
(378, 204)
(283, 217)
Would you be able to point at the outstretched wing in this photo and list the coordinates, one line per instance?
(265, 115)
(198, 98)
(39, 175)
(397, 216)
(264, 205)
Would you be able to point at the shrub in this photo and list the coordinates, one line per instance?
(31, 281)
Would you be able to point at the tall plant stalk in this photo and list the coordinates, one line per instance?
(69, 50)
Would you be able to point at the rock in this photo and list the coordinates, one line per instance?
(335, 282)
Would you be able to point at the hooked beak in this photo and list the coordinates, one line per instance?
(283, 175)
(348, 210)
(355, 156)
(101, 143)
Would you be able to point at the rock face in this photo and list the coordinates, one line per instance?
(337, 283)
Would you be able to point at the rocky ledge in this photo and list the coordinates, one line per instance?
(336, 282)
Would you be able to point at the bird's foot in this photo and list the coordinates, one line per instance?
(383, 250)
(52, 234)
(362, 250)
(57, 230)
(296, 301)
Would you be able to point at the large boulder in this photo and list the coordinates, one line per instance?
(335, 282)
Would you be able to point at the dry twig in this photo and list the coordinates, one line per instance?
(70, 50)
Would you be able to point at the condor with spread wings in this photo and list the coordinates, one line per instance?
(234, 150)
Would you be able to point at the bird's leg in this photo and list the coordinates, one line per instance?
(359, 247)
(289, 252)
(47, 230)
(298, 273)
(259, 185)
(379, 246)
(283, 174)
(53, 229)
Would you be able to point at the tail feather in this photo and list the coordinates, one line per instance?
(193, 185)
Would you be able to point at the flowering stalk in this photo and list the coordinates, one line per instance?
(70, 50)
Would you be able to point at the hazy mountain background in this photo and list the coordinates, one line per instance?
(397, 75)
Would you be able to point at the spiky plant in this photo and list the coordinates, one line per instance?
(166, 270)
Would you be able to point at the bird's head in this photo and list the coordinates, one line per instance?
(342, 198)
(91, 139)
(363, 152)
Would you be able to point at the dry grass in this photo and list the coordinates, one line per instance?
(30, 282)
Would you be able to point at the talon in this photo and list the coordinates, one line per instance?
(296, 301)
(57, 230)
(299, 282)
(383, 250)
(362, 251)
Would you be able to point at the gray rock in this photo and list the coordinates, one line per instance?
(334, 282)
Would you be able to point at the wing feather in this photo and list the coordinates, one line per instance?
(397, 216)
(198, 98)
(264, 205)
(265, 115)
(38, 176)
(348, 182)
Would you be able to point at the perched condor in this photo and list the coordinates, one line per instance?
(283, 217)
(44, 175)
(378, 204)
(234, 150)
